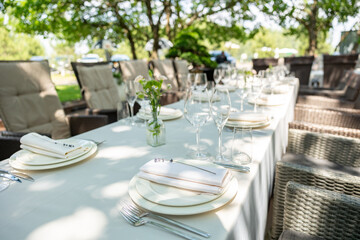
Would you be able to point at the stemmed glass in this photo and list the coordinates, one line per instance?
(197, 113)
(218, 75)
(256, 88)
(200, 81)
(131, 98)
(220, 105)
(191, 80)
(241, 152)
(242, 91)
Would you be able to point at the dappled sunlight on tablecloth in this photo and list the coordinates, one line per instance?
(85, 223)
(45, 185)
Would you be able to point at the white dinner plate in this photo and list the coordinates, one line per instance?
(30, 158)
(171, 196)
(177, 114)
(18, 165)
(187, 210)
(238, 124)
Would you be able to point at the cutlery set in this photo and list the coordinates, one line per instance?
(135, 216)
(15, 175)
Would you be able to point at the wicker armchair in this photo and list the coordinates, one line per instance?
(346, 132)
(335, 167)
(325, 102)
(330, 117)
(321, 213)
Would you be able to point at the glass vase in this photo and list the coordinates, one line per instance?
(155, 131)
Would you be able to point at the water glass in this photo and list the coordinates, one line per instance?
(242, 146)
(122, 110)
(200, 81)
(256, 89)
(218, 75)
(131, 98)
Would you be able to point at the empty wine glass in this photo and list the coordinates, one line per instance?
(220, 106)
(190, 80)
(218, 75)
(256, 88)
(242, 91)
(227, 76)
(122, 110)
(241, 151)
(200, 81)
(197, 113)
(131, 98)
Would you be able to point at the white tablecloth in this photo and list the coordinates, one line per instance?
(81, 201)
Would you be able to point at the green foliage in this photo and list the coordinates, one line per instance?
(187, 46)
(18, 46)
(68, 92)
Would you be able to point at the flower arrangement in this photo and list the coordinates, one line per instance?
(151, 90)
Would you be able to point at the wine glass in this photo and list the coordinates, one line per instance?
(220, 106)
(241, 151)
(131, 98)
(256, 88)
(218, 75)
(242, 91)
(227, 76)
(200, 81)
(197, 113)
(190, 80)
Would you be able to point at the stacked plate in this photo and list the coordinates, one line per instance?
(165, 113)
(28, 160)
(171, 200)
(269, 100)
(248, 120)
(278, 89)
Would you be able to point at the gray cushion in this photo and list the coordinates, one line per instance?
(100, 90)
(29, 101)
(131, 69)
(319, 163)
(166, 68)
(182, 72)
(353, 89)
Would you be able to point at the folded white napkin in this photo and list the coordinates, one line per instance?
(253, 117)
(187, 177)
(164, 111)
(280, 89)
(44, 145)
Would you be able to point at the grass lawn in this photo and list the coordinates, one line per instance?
(68, 92)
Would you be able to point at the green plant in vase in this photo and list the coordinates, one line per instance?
(151, 90)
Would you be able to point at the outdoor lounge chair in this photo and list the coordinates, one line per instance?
(264, 63)
(312, 213)
(301, 66)
(98, 89)
(349, 93)
(334, 66)
(131, 69)
(316, 159)
(29, 103)
(182, 71)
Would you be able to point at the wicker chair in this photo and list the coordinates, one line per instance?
(264, 63)
(301, 66)
(330, 117)
(29, 103)
(322, 160)
(312, 212)
(341, 131)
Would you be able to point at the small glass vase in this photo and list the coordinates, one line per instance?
(155, 131)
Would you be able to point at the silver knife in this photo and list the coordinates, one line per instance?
(234, 167)
(18, 174)
(10, 176)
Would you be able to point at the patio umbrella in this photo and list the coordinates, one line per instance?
(163, 44)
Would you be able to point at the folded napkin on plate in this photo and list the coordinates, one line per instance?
(187, 177)
(44, 145)
(280, 89)
(272, 99)
(254, 117)
(164, 111)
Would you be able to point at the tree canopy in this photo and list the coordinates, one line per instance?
(136, 21)
(310, 18)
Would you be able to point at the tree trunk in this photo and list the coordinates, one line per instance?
(168, 27)
(132, 45)
(312, 29)
(154, 54)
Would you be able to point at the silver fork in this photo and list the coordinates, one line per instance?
(141, 213)
(137, 221)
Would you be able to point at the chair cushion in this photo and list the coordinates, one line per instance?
(319, 163)
(166, 68)
(131, 69)
(182, 72)
(294, 235)
(100, 90)
(29, 101)
(353, 89)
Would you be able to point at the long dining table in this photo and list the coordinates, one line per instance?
(81, 201)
